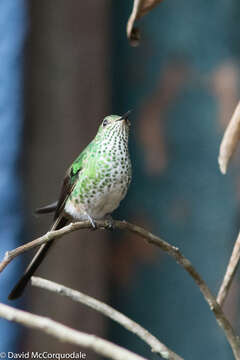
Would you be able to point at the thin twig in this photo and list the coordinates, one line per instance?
(140, 8)
(230, 272)
(10, 255)
(67, 334)
(152, 239)
(132, 19)
(186, 264)
(155, 345)
(230, 140)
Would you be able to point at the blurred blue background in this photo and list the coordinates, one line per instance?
(13, 27)
(182, 82)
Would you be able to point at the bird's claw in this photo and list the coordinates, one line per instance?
(110, 225)
(94, 226)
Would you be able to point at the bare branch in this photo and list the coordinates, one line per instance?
(152, 341)
(66, 334)
(230, 140)
(152, 239)
(186, 264)
(133, 34)
(140, 8)
(230, 272)
(10, 255)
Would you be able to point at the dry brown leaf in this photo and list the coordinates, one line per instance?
(140, 8)
(230, 140)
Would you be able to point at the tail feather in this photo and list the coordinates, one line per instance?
(34, 264)
(47, 209)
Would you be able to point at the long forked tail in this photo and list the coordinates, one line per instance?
(34, 264)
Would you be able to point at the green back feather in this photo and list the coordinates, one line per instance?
(80, 163)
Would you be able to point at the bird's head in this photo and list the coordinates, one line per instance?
(115, 125)
(116, 120)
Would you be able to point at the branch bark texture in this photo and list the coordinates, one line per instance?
(155, 345)
(230, 140)
(66, 334)
(152, 239)
(229, 275)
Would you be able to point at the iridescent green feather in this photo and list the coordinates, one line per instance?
(80, 163)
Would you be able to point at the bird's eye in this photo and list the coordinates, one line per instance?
(105, 122)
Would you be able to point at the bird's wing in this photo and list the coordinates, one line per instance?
(71, 178)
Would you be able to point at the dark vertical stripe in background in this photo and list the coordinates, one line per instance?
(68, 95)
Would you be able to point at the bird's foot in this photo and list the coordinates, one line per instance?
(94, 226)
(110, 225)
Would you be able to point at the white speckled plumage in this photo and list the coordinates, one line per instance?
(104, 180)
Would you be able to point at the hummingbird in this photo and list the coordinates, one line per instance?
(93, 186)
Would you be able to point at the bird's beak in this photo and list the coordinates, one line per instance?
(125, 116)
